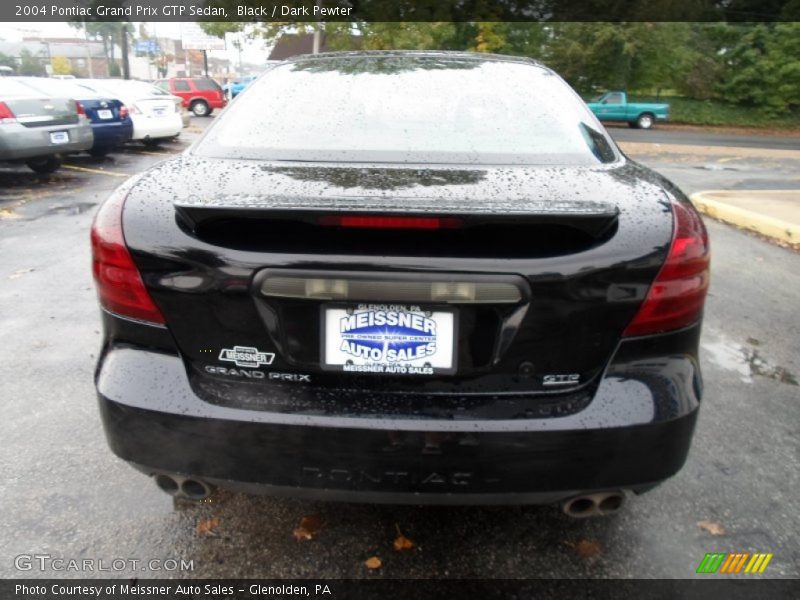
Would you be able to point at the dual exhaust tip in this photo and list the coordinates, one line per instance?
(578, 507)
(594, 505)
(184, 487)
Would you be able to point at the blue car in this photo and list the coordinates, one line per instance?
(111, 124)
(234, 88)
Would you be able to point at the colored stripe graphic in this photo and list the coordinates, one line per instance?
(734, 562)
(758, 563)
(711, 562)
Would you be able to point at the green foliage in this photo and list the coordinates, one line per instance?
(7, 61)
(30, 64)
(599, 56)
(763, 68)
(749, 65)
(715, 112)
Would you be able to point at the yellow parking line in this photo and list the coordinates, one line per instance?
(158, 153)
(98, 171)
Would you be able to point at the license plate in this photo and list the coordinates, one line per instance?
(388, 339)
(159, 112)
(59, 137)
(105, 114)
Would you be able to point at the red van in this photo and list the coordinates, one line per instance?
(201, 95)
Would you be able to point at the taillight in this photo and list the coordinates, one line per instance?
(135, 110)
(389, 222)
(79, 107)
(119, 284)
(677, 295)
(6, 115)
(123, 112)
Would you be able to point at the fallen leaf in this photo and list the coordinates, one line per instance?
(711, 527)
(373, 563)
(401, 542)
(308, 528)
(587, 548)
(207, 526)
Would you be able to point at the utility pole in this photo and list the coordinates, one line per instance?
(317, 35)
(88, 52)
(205, 61)
(126, 67)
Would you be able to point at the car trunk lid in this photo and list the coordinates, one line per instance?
(232, 239)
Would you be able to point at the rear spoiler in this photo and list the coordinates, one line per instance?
(593, 217)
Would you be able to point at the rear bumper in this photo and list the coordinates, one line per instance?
(112, 134)
(20, 143)
(634, 433)
(372, 465)
(154, 128)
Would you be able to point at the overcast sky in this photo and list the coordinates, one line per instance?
(252, 51)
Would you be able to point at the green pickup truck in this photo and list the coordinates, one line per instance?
(614, 106)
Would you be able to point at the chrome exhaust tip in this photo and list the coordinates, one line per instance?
(593, 505)
(183, 487)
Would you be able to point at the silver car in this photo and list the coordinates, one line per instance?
(39, 130)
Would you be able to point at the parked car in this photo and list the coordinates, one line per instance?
(6, 71)
(201, 95)
(444, 284)
(614, 106)
(39, 129)
(156, 115)
(233, 88)
(111, 123)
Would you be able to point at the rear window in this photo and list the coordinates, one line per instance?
(64, 88)
(206, 85)
(409, 109)
(11, 87)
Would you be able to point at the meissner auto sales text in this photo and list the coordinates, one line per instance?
(172, 590)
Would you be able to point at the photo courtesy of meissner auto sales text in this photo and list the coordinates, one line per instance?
(413, 299)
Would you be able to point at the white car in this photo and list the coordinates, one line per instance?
(156, 114)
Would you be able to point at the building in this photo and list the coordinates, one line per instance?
(294, 44)
(85, 58)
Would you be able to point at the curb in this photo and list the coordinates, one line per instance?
(771, 227)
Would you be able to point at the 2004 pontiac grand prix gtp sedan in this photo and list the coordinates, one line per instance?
(403, 277)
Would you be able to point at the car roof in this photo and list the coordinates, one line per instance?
(442, 54)
(13, 87)
(67, 88)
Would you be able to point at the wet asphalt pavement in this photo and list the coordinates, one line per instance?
(64, 494)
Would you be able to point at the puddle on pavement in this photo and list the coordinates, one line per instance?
(745, 360)
(71, 209)
(33, 211)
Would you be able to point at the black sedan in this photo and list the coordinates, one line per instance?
(419, 277)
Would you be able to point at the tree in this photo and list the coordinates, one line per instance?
(784, 55)
(633, 56)
(107, 32)
(61, 65)
(7, 61)
(762, 67)
(30, 64)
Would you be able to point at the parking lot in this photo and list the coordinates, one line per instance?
(64, 494)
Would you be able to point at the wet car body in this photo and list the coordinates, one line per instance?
(155, 115)
(111, 123)
(39, 128)
(549, 395)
